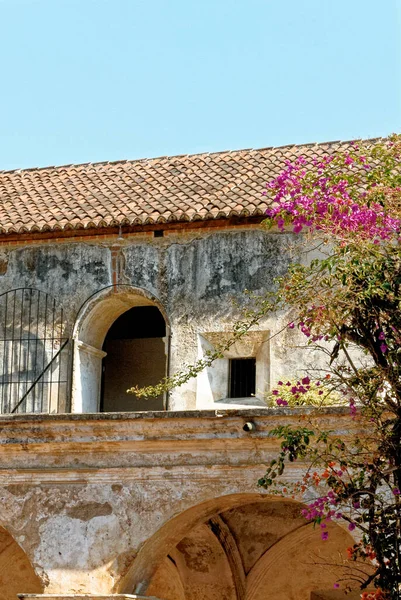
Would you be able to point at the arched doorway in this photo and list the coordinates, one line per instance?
(16, 572)
(126, 331)
(241, 547)
(135, 348)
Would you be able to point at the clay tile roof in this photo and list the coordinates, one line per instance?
(148, 191)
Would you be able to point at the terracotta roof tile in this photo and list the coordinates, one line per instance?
(177, 188)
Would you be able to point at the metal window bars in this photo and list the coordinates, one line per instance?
(35, 353)
(242, 377)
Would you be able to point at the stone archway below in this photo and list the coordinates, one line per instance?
(16, 572)
(234, 548)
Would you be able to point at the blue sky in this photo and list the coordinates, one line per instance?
(93, 80)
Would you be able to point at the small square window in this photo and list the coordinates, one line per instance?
(242, 377)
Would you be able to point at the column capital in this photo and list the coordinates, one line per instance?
(90, 349)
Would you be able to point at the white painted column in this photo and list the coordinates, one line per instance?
(86, 378)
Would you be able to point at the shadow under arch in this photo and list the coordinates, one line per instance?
(157, 547)
(258, 534)
(94, 319)
(17, 574)
(314, 564)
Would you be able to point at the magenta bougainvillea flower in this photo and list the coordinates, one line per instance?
(318, 199)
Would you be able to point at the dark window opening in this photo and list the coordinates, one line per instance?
(158, 233)
(138, 322)
(136, 355)
(242, 377)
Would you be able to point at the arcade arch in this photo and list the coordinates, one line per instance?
(120, 338)
(240, 547)
(16, 572)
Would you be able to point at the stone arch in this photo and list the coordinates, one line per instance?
(157, 547)
(311, 560)
(17, 574)
(94, 319)
(168, 579)
(232, 547)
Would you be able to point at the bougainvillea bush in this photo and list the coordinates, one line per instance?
(348, 303)
(347, 300)
(304, 392)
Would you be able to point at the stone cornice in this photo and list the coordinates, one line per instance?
(178, 414)
(80, 444)
(206, 473)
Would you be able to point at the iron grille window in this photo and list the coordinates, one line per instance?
(242, 377)
(34, 353)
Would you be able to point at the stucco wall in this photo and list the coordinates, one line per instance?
(198, 278)
(162, 503)
(98, 502)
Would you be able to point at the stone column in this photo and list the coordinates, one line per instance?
(86, 378)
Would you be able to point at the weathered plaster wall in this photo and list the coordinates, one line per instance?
(196, 277)
(70, 271)
(97, 502)
(186, 272)
(102, 503)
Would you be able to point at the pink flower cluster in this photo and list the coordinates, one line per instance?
(321, 511)
(352, 407)
(280, 401)
(328, 202)
(301, 387)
